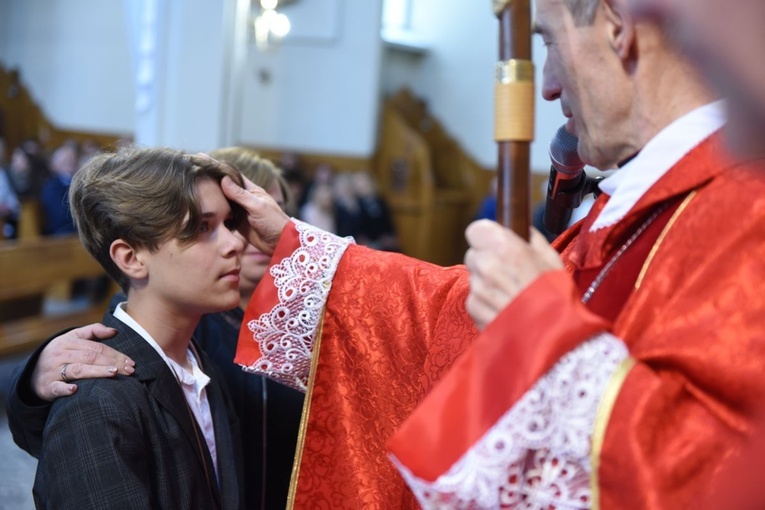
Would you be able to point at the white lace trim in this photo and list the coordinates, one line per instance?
(286, 333)
(537, 454)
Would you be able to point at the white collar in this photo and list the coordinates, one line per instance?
(196, 378)
(661, 153)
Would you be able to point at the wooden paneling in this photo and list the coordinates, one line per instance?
(32, 269)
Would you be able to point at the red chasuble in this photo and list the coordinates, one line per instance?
(640, 416)
(554, 404)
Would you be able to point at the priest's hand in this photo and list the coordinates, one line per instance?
(501, 265)
(74, 355)
(265, 218)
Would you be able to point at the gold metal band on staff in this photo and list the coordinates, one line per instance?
(514, 101)
(509, 71)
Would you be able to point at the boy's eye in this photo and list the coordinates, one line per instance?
(204, 227)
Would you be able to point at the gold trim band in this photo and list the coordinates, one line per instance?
(602, 416)
(513, 71)
(304, 417)
(660, 240)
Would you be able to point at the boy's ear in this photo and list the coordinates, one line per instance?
(620, 26)
(128, 260)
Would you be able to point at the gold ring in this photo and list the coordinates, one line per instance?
(63, 372)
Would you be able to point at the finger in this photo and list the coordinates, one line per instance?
(490, 265)
(57, 389)
(492, 297)
(490, 235)
(47, 381)
(482, 233)
(248, 198)
(101, 354)
(470, 260)
(84, 351)
(265, 219)
(94, 331)
(85, 356)
(77, 371)
(478, 262)
(477, 311)
(104, 355)
(251, 187)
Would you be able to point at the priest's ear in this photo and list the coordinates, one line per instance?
(620, 27)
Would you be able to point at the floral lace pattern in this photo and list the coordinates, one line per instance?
(537, 455)
(286, 333)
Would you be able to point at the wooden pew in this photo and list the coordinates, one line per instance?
(32, 268)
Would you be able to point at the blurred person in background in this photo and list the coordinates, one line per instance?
(27, 173)
(376, 228)
(54, 196)
(9, 202)
(347, 211)
(319, 210)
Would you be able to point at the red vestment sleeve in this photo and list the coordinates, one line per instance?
(530, 335)
(380, 328)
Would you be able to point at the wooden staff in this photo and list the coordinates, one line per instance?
(514, 113)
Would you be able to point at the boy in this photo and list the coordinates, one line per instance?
(166, 437)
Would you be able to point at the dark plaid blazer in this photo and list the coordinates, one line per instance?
(130, 442)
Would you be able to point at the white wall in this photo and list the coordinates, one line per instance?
(456, 76)
(77, 59)
(5, 27)
(74, 59)
(192, 89)
(320, 90)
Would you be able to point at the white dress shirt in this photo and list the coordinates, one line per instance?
(193, 383)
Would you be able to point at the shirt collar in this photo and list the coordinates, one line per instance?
(195, 378)
(661, 153)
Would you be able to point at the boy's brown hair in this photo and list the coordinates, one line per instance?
(144, 197)
(255, 167)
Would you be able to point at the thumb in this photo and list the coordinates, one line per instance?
(250, 197)
(483, 233)
(232, 190)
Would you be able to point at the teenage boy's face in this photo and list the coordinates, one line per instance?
(201, 277)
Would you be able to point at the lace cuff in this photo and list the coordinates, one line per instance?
(537, 455)
(285, 334)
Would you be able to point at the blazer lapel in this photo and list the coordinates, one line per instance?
(152, 370)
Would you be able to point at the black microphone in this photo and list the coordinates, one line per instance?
(567, 183)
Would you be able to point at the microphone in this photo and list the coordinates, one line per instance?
(567, 183)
